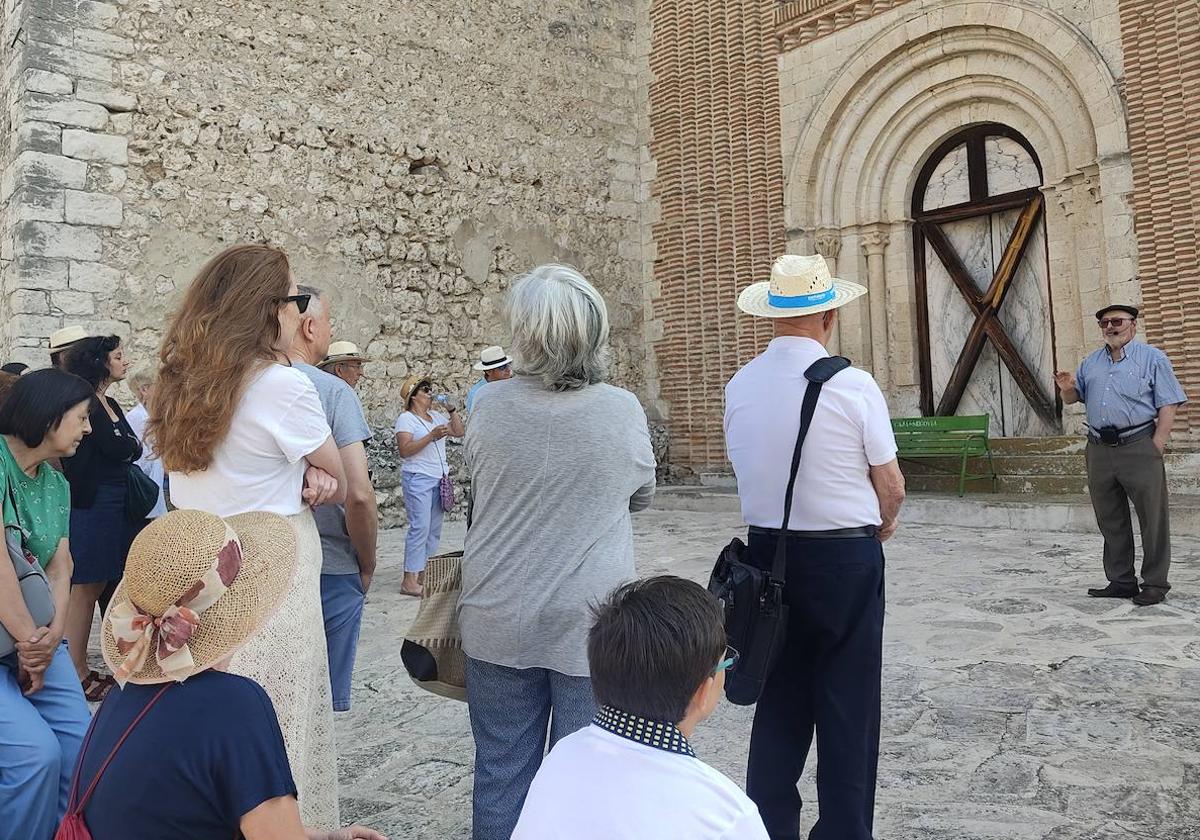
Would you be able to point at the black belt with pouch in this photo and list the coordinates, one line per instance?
(1112, 436)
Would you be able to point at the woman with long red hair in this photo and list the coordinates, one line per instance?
(240, 430)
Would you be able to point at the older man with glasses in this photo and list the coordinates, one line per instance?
(1131, 396)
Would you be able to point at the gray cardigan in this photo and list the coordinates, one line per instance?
(555, 475)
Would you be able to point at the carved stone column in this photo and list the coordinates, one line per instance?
(874, 242)
(829, 246)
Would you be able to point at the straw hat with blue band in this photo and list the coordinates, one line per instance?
(799, 285)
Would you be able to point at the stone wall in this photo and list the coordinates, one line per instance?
(411, 157)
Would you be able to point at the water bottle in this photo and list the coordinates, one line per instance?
(442, 398)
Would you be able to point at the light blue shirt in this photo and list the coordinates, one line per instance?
(474, 392)
(1129, 391)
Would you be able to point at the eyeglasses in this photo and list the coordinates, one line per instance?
(731, 659)
(426, 389)
(1105, 323)
(301, 301)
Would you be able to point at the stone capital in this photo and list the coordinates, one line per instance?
(874, 241)
(829, 243)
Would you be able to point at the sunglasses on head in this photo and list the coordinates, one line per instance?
(301, 301)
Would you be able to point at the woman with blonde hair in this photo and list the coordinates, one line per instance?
(239, 430)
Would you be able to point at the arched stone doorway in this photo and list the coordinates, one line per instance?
(985, 334)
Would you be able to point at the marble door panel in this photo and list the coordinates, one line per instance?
(1025, 316)
(950, 320)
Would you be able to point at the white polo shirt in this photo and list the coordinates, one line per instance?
(851, 431)
(597, 785)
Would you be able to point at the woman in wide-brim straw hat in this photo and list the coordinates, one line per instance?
(421, 436)
(240, 430)
(197, 746)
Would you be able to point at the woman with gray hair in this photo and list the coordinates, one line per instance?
(558, 461)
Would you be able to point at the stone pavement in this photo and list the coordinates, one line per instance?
(1014, 706)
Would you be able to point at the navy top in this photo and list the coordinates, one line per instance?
(1129, 391)
(103, 456)
(209, 752)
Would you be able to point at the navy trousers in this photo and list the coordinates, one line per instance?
(828, 681)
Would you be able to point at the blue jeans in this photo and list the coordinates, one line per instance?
(40, 737)
(423, 504)
(511, 710)
(342, 605)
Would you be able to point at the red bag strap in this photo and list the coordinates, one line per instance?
(75, 805)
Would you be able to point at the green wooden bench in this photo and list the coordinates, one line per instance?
(946, 438)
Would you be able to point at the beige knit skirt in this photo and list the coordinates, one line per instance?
(288, 659)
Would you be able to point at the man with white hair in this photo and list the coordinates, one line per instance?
(848, 491)
(495, 365)
(349, 533)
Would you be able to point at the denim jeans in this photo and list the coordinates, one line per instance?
(512, 710)
(423, 505)
(40, 737)
(342, 606)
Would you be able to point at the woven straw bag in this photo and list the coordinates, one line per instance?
(432, 651)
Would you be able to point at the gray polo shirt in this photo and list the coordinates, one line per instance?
(348, 422)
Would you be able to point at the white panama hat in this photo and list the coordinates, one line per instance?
(799, 285)
(491, 358)
(343, 351)
(64, 338)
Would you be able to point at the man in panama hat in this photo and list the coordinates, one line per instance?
(345, 362)
(847, 499)
(63, 340)
(495, 365)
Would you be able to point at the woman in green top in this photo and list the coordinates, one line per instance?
(43, 714)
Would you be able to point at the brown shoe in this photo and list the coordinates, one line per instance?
(1148, 597)
(1115, 590)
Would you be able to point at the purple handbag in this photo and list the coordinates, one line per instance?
(446, 490)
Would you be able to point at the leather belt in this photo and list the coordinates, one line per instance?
(833, 534)
(1124, 440)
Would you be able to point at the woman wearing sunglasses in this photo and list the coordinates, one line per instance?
(421, 436)
(239, 430)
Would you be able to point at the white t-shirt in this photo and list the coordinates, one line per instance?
(432, 459)
(260, 464)
(595, 785)
(851, 431)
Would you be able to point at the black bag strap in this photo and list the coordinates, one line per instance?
(818, 373)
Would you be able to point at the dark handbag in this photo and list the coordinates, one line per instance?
(755, 613)
(31, 579)
(141, 494)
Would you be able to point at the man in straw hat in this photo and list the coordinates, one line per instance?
(344, 361)
(63, 340)
(1131, 396)
(847, 499)
(349, 532)
(495, 365)
(198, 746)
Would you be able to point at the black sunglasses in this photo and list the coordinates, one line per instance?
(301, 301)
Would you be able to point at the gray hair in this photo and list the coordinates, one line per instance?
(559, 327)
(143, 374)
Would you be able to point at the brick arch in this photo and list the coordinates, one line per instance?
(1038, 69)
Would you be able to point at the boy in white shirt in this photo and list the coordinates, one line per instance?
(657, 656)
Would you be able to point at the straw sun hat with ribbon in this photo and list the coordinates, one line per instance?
(196, 589)
(799, 285)
(409, 385)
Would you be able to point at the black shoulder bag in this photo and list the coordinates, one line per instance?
(755, 613)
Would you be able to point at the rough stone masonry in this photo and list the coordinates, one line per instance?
(411, 157)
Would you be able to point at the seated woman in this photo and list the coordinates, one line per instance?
(183, 744)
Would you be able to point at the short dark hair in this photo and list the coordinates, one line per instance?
(88, 358)
(652, 644)
(37, 402)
